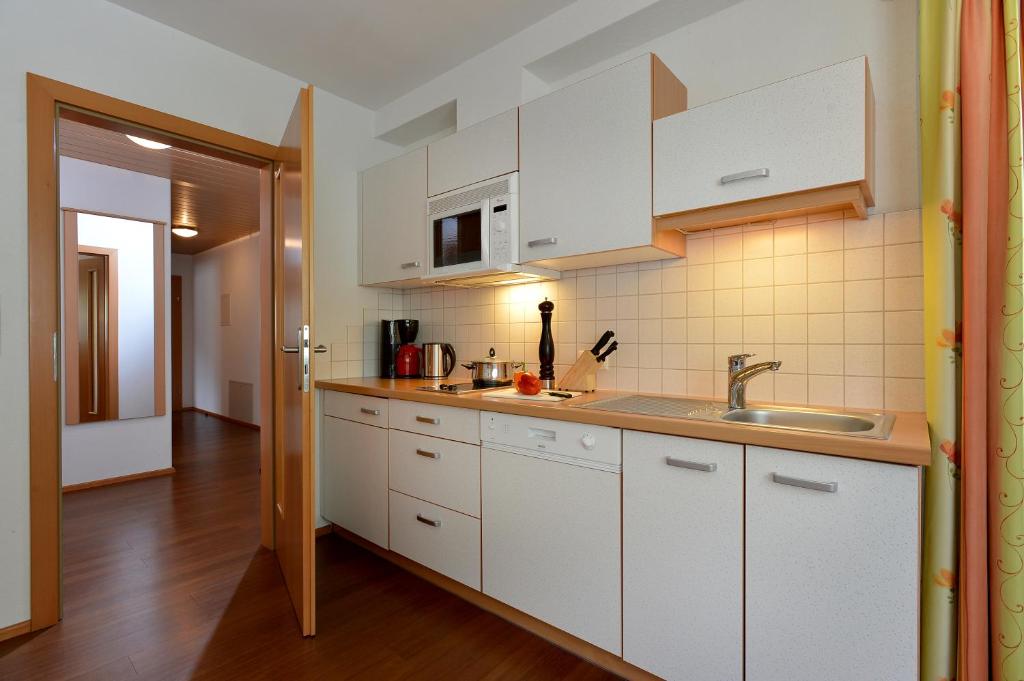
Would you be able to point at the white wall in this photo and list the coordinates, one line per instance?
(226, 353)
(94, 451)
(102, 47)
(741, 47)
(133, 242)
(181, 265)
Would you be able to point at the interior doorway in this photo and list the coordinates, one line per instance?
(50, 106)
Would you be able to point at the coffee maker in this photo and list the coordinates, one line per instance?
(407, 359)
(388, 348)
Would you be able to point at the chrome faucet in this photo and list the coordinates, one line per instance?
(740, 373)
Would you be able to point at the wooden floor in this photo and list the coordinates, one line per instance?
(164, 579)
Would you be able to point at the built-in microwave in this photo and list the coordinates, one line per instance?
(474, 228)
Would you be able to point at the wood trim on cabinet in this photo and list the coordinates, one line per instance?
(841, 197)
(16, 629)
(577, 646)
(46, 101)
(145, 475)
(668, 94)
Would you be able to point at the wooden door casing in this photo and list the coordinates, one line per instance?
(176, 354)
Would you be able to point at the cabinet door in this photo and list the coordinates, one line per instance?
(832, 568)
(354, 478)
(394, 219)
(482, 151)
(585, 166)
(551, 543)
(682, 556)
(804, 133)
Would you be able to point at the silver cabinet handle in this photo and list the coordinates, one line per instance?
(428, 455)
(691, 465)
(291, 350)
(745, 175)
(427, 419)
(806, 484)
(546, 241)
(428, 521)
(370, 412)
(410, 265)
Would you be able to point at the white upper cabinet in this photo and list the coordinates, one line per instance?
(832, 568)
(394, 219)
(799, 145)
(482, 151)
(682, 556)
(585, 169)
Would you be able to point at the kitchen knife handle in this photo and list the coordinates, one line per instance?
(605, 337)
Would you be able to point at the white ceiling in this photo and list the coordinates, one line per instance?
(367, 51)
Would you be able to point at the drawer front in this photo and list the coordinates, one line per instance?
(441, 539)
(802, 133)
(441, 471)
(359, 408)
(831, 557)
(451, 423)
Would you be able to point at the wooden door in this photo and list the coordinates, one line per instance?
(92, 337)
(293, 455)
(176, 399)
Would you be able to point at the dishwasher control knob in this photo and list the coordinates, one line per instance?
(588, 441)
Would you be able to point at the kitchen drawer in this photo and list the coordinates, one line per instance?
(451, 423)
(443, 540)
(360, 408)
(441, 471)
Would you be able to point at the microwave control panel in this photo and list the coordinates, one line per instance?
(503, 247)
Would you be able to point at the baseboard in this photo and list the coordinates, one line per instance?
(78, 487)
(321, 531)
(15, 630)
(564, 640)
(227, 419)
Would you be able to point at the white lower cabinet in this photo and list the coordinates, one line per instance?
(832, 568)
(551, 542)
(682, 556)
(445, 541)
(354, 478)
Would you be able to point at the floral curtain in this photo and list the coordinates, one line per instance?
(973, 571)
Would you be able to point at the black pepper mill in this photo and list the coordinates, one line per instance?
(546, 351)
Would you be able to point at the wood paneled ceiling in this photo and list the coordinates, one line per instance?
(220, 198)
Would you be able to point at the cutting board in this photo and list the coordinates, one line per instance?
(511, 394)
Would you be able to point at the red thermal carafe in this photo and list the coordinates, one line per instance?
(407, 362)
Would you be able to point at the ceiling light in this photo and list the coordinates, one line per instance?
(187, 232)
(149, 144)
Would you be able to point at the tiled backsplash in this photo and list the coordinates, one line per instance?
(837, 300)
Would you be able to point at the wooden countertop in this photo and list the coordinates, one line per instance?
(908, 444)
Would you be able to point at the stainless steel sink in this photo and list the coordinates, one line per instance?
(789, 418)
(865, 425)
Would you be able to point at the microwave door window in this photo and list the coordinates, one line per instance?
(457, 239)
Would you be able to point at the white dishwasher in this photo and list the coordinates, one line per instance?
(551, 536)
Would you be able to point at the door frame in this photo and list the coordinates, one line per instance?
(44, 98)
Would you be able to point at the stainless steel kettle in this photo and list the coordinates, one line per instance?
(438, 360)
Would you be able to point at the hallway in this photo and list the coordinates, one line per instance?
(164, 579)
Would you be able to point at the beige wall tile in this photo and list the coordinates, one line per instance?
(790, 240)
(791, 388)
(825, 236)
(859, 233)
(759, 329)
(700, 249)
(825, 359)
(825, 297)
(648, 306)
(700, 303)
(699, 356)
(759, 272)
(793, 358)
(825, 328)
(673, 279)
(674, 331)
(903, 227)
(904, 327)
(791, 299)
(903, 260)
(790, 269)
(863, 327)
(863, 360)
(729, 274)
(865, 295)
(696, 383)
(649, 356)
(728, 302)
(827, 266)
(758, 244)
(905, 293)
(791, 328)
(864, 392)
(700, 277)
(700, 329)
(649, 381)
(904, 361)
(650, 281)
(827, 391)
(674, 304)
(863, 263)
(904, 394)
(626, 283)
(728, 247)
(728, 329)
(649, 330)
(760, 300)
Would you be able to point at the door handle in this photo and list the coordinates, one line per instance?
(301, 348)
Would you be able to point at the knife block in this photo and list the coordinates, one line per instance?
(581, 376)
